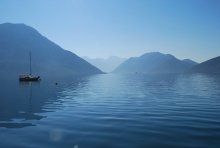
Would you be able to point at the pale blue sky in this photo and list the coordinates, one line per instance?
(124, 28)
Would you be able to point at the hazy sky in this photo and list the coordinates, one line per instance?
(124, 28)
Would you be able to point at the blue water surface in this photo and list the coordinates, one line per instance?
(111, 111)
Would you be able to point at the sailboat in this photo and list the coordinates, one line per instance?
(29, 77)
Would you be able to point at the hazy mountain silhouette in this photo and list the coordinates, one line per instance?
(210, 66)
(106, 65)
(155, 62)
(191, 62)
(17, 40)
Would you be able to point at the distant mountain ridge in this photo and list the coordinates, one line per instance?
(17, 40)
(209, 66)
(106, 65)
(155, 62)
(193, 63)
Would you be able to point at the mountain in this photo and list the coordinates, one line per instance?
(191, 62)
(106, 65)
(17, 40)
(210, 66)
(154, 62)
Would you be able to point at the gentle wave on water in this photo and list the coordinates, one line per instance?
(113, 111)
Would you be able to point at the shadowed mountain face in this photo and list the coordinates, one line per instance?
(210, 66)
(155, 62)
(191, 62)
(17, 40)
(106, 65)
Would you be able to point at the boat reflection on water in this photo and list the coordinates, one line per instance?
(29, 84)
(24, 103)
(18, 114)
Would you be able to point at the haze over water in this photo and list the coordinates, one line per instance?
(112, 110)
(69, 109)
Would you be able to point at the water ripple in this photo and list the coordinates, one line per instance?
(118, 111)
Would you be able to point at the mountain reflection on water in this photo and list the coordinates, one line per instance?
(112, 110)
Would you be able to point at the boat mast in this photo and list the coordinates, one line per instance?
(30, 63)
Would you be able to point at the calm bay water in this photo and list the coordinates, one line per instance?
(125, 111)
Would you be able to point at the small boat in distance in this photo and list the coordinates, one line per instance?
(29, 77)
